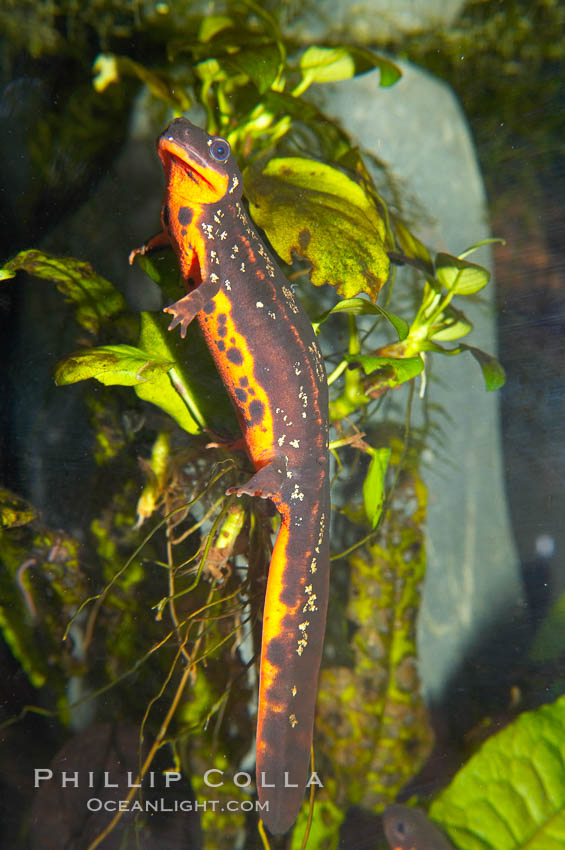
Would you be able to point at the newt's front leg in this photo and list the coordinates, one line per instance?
(160, 240)
(185, 309)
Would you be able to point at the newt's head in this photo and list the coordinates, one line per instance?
(407, 828)
(200, 166)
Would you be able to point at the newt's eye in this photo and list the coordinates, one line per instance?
(220, 150)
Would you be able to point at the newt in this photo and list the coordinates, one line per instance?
(411, 829)
(267, 355)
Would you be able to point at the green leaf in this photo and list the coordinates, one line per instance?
(550, 637)
(171, 392)
(412, 246)
(195, 378)
(111, 365)
(96, 300)
(210, 71)
(163, 268)
(493, 371)
(399, 370)
(327, 64)
(459, 276)
(511, 794)
(324, 827)
(108, 68)
(212, 25)
(362, 307)
(317, 212)
(152, 369)
(366, 60)
(331, 64)
(374, 485)
(261, 64)
(453, 325)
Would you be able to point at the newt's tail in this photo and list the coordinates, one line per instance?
(293, 634)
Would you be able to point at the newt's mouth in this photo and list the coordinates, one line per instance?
(189, 160)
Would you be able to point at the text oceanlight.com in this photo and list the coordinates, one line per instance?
(95, 804)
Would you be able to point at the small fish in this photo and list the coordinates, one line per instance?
(411, 829)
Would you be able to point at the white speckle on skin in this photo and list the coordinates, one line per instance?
(296, 493)
(311, 601)
(295, 444)
(303, 641)
(303, 397)
(259, 305)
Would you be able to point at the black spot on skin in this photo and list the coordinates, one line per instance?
(234, 356)
(221, 345)
(222, 331)
(209, 307)
(256, 410)
(241, 395)
(277, 653)
(185, 216)
(166, 215)
(222, 318)
(244, 381)
(251, 391)
(183, 232)
(232, 340)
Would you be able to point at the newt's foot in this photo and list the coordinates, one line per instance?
(266, 483)
(182, 315)
(133, 254)
(184, 310)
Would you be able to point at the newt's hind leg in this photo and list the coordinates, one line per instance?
(267, 483)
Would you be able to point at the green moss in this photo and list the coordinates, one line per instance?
(371, 725)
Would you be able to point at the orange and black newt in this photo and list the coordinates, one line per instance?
(411, 829)
(267, 355)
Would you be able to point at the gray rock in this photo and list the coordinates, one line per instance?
(373, 21)
(417, 128)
